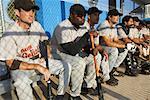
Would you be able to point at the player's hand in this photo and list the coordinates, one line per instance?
(47, 75)
(94, 51)
(94, 33)
(145, 45)
(44, 71)
(105, 54)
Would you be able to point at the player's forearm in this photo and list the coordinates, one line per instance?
(136, 40)
(127, 40)
(16, 64)
(120, 42)
(114, 44)
(74, 47)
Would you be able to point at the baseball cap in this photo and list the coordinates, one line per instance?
(77, 9)
(136, 19)
(25, 5)
(93, 10)
(114, 12)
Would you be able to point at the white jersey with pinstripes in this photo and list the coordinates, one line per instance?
(65, 32)
(17, 43)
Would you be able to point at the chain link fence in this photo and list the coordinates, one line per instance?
(28, 54)
(38, 87)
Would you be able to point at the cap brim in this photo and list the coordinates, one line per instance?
(120, 14)
(35, 7)
(100, 11)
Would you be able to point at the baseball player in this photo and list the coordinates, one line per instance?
(111, 43)
(123, 31)
(93, 18)
(20, 50)
(69, 37)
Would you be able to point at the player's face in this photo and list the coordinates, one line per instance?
(79, 19)
(114, 19)
(130, 22)
(94, 18)
(136, 23)
(27, 16)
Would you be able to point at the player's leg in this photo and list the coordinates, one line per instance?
(77, 74)
(22, 83)
(63, 69)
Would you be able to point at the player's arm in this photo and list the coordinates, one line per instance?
(17, 64)
(118, 41)
(136, 40)
(123, 35)
(147, 37)
(109, 42)
(75, 46)
(127, 40)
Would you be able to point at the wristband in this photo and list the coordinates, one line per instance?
(15, 65)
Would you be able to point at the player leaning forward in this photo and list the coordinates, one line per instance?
(20, 49)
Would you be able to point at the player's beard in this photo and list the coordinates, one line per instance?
(25, 22)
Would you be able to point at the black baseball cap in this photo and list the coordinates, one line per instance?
(93, 10)
(136, 19)
(77, 9)
(114, 12)
(25, 5)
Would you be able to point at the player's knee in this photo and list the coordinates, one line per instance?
(81, 63)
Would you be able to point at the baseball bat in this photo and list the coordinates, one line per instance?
(97, 69)
(44, 52)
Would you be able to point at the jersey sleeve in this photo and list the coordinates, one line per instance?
(104, 30)
(133, 33)
(62, 35)
(121, 33)
(8, 48)
(38, 28)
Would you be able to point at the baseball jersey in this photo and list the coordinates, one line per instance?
(144, 31)
(96, 39)
(121, 32)
(65, 32)
(17, 43)
(105, 30)
(134, 33)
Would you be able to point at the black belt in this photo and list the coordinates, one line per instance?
(35, 57)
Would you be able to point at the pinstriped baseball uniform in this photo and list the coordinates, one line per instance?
(135, 33)
(104, 63)
(64, 33)
(115, 58)
(21, 45)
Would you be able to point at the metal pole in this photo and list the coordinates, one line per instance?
(121, 6)
(2, 16)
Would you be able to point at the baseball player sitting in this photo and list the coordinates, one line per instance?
(123, 33)
(93, 18)
(145, 36)
(111, 43)
(69, 37)
(20, 49)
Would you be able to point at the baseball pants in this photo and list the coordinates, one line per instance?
(115, 58)
(79, 63)
(22, 80)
